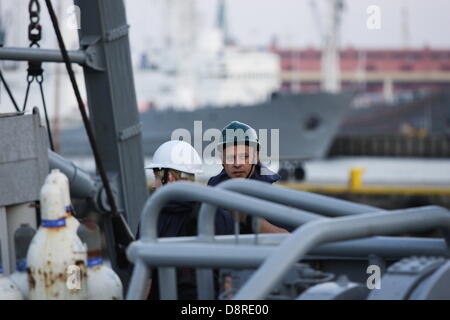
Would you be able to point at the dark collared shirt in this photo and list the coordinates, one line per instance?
(261, 173)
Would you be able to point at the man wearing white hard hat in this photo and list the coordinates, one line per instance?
(174, 161)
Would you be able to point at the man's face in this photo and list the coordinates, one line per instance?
(238, 160)
(159, 176)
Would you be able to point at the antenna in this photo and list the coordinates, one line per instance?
(330, 52)
(361, 75)
(405, 26)
(221, 22)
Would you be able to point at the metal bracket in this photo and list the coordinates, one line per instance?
(117, 33)
(92, 52)
(100, 200)
(93, 59)
(130, 132)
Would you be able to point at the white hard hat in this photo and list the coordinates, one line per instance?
(177, 155)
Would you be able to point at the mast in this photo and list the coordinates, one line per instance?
(405, 26)
(330, 66)
(221, 22)
(113, 110)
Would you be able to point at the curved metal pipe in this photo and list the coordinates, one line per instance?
(227, 199)
(327, 230)
(385, 247)
(136, 290)
(298, 199)
(309, 201)
(223, 198)
(199, 254)
(81, 183)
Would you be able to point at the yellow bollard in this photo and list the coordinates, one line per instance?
(355, 181)
(422, 133)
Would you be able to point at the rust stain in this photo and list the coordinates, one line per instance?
(31, 280)
(46, 280)
(83, 272)
(79, 262)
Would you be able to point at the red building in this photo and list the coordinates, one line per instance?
(375, 70)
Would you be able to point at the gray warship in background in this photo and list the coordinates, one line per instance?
(307, 124)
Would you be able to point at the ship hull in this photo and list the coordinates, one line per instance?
(306, 124)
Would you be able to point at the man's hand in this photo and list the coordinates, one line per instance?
(266, 227)
(148, 288)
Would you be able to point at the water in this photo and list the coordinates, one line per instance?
(415, 172)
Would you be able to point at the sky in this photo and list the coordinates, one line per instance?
(256, 22)
(293, 21)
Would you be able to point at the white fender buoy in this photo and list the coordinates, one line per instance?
(8, 289)
(61, 180)
(22, 239)
(56, 264)
(103, 282)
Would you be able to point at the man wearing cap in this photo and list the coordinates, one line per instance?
(239, 149)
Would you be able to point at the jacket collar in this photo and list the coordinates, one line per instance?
(261, 173)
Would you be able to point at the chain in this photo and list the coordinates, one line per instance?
(34, 28)
(35, 71)
(34, 35)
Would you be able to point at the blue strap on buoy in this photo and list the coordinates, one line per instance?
(92, 262)
(1, 269)
(54, 223)
(21, 265)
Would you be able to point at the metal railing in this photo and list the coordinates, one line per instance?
(383, 246)
(195, 192)
(206, 251)
(301, 200)
(329, 230)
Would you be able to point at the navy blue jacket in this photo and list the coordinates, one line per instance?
(269, 177)
(178, 219)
